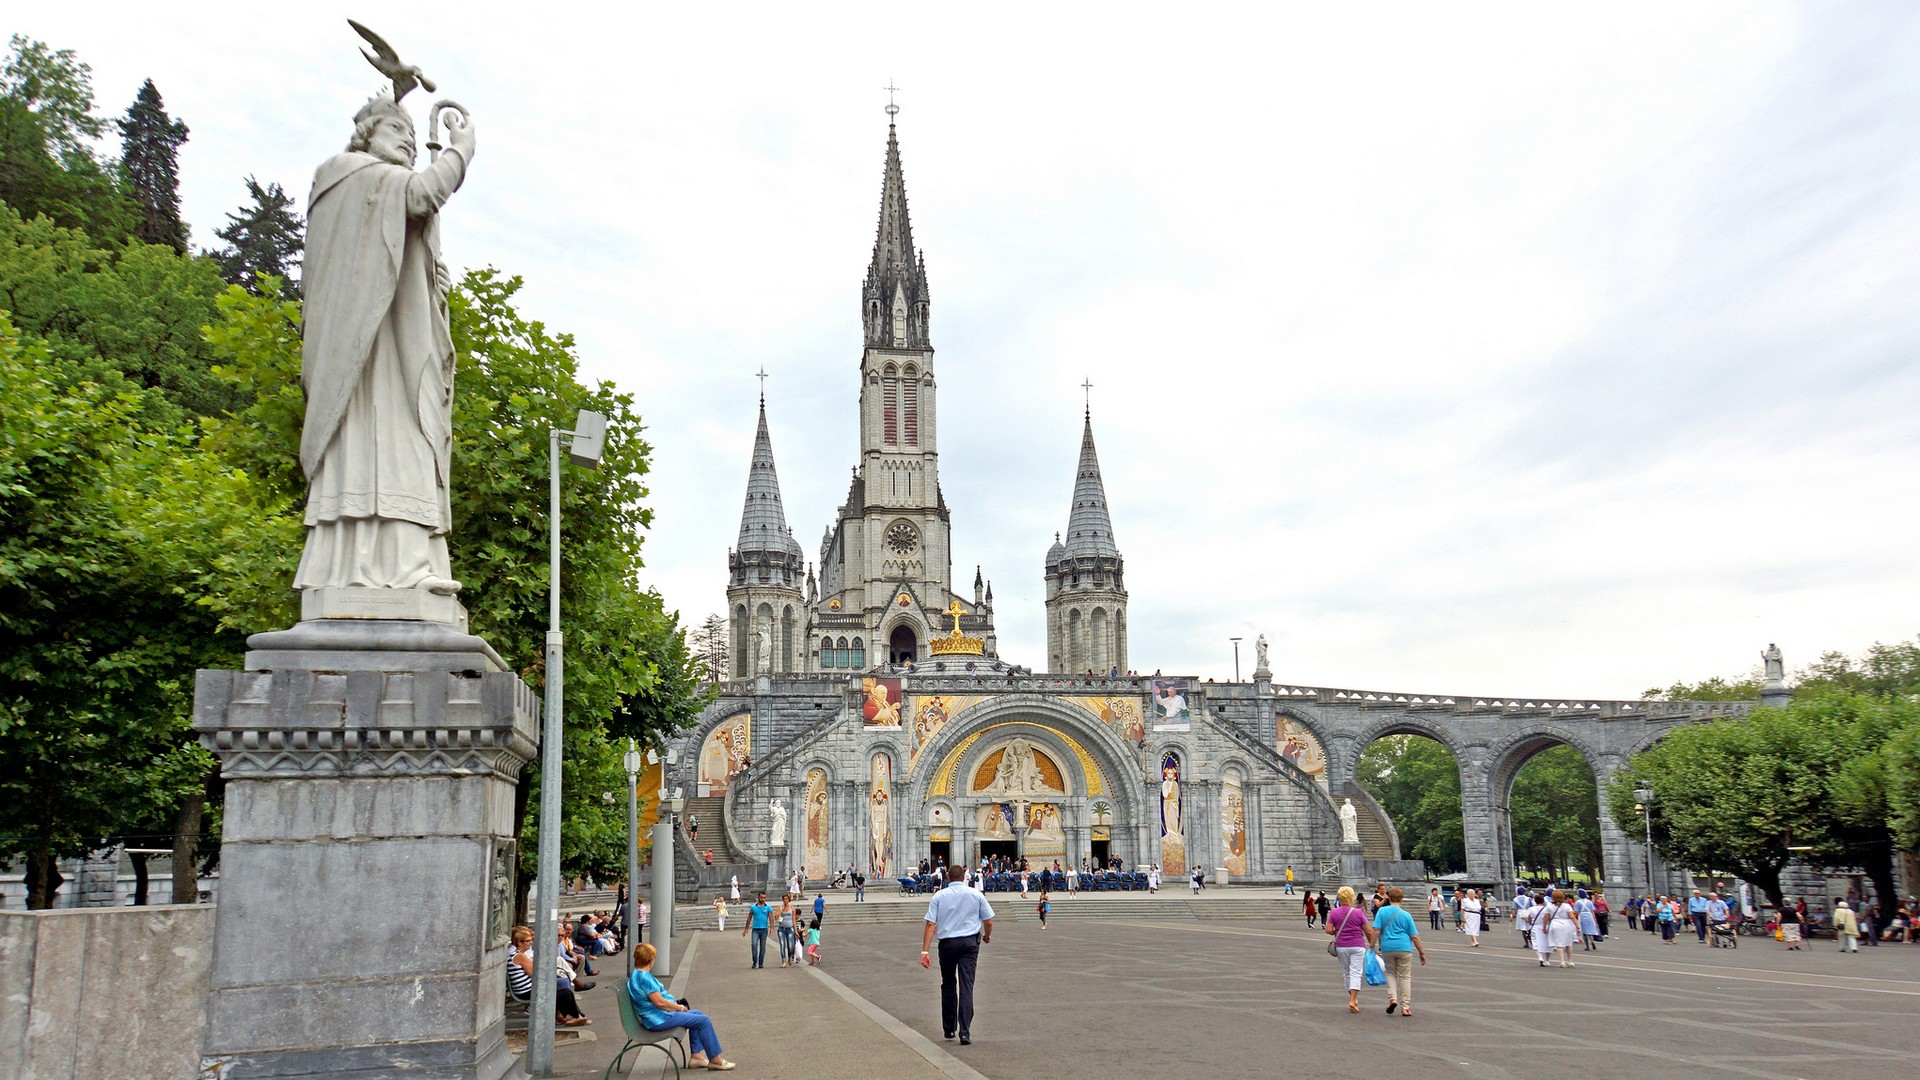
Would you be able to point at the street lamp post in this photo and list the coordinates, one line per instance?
(1236, 658)
(632, 762)
(662, 891)
(589, 440)
(1645, 806)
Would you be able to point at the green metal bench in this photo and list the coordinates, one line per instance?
(639, 1036)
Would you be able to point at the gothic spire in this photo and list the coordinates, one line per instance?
(1089, 528)
(763, 521)
(894, 301)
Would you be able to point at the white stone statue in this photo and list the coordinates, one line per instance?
(1349, 823)
(778, 835)
(1776, 668)
(1260, 653)
(377, 358)
(763, 651)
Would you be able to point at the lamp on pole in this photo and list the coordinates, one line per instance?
(662, 891)
(589, 442)
(631, 760)
(1236, 658)
(1645, 806)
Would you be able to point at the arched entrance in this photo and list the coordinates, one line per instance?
(903, 647)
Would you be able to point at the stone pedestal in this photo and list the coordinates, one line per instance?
(777, 870)
(1353, 867)
(367, 859)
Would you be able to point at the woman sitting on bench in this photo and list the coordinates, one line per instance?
(658, 1011)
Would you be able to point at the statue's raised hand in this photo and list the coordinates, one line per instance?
(460, 133)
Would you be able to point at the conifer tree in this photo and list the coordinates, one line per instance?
(150, 168)
(264, 238)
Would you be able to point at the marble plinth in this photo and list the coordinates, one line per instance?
(356, 603)
(368, 852)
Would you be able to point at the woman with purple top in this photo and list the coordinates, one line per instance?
(1347, 925)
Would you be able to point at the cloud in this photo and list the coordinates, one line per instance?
(1510, 350)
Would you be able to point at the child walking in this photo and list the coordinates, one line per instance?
(1044, 906)
(813, 942)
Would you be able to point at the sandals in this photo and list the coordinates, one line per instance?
(1353, 1006)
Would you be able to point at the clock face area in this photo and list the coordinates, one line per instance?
(903, 538)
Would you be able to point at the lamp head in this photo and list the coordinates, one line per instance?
(589, 440)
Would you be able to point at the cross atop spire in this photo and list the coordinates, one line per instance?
(893, 110)
(762, 376)
(1088, 387)
(894, 299)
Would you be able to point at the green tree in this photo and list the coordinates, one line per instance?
(47, 165)
(150, 169)
(1556, 813)
(1745, 794)
(103, 523)
(136, 309)
(263, 238)
(1417, 783)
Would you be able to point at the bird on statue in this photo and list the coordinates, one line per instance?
(405, 76)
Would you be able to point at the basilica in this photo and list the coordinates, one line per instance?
(869, 700)
(870, 720)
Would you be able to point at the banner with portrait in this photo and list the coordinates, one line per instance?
(1170, 711)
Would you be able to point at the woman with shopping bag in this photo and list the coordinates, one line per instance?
(1396, 938)
(1347, 926)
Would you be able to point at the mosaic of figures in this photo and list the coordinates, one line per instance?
(1018, 769)
(881, 709)
(1173, 837)
(1170, 705)
(1123, 716)
(880, 814)
(1046, 837)
(1297, 743)
(995, 821)
(1233, 824)
(815, 856)
(724, 753)
(930, 714)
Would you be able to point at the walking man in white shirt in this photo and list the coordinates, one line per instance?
(963, 921)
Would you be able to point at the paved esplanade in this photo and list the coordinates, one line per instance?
(1109, 998)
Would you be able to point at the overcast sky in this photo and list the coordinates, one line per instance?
(1457, 348)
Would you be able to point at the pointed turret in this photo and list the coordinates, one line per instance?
(765, 573)
(1086, 586)
(894, 300)
(1089, 528)
(763, 520)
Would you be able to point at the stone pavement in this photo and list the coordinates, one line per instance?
(1112, 998)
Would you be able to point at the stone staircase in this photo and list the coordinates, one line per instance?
(710, 812)
(1373, 836)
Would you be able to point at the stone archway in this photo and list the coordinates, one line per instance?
(903, 645)
(1507, 757)
(1094, 765)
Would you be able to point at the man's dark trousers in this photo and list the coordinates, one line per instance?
(958, 956)
(1700, 924)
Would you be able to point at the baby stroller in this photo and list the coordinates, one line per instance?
(1722, 935)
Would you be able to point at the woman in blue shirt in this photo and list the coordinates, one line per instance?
(1397, 938)
(658, 1010)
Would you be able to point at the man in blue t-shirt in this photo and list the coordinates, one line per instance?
(758, 915)
(1697, 911)
(820, 907)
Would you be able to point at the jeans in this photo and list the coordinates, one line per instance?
(1353, 961)
(786, 944)
(759, 946)
(1433, 918)
(958, 958)
(859, 893)
(1399, 967)
(700, 1036)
